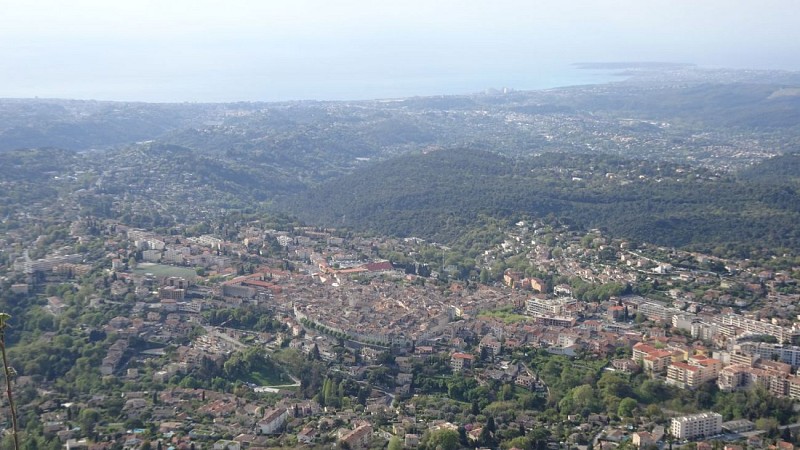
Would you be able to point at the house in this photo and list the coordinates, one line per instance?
(359, 438)
(490, 345)
(625, 365)
(411, 440)
(307, 435)
(460, 361)
(642, 439)
(273, 420)
(224, 444)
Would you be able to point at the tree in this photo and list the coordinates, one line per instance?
(443, 439)
(627, 407)
(490, 425)
(88, 418)
(653, 411)
(4, 318)
(476, 409)
(314, 354)
(395, 443)
(519, 442)
(484, 276)
(768, 424)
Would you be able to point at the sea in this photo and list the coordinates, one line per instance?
(236, 86)
(309, 87)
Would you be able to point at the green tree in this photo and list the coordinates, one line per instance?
(627, 407)
(395, 444)
(88, 419)
(442, 439)
(484, 276)
(519, 442)
(768, 424)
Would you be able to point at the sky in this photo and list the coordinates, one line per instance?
(270, 50)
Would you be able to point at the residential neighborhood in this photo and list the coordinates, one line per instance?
(383, 332)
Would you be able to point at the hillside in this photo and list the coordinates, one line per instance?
(782, 169)
(440, 194)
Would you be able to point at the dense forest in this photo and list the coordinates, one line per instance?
(439, 194)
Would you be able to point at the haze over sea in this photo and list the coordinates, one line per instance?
(244, 50)
(254, 87)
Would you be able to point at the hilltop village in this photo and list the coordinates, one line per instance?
(255, 337)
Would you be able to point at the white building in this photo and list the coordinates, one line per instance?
(563, 306)
(752, 326)
(787, 354)
(655, 311)
(273, 420)
(696, 425)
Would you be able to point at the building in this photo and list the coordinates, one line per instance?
(19, 288)
(273, 420)
(788, 354)
(693, 373)
(562, 306)
(738, 426)
(642, 439)
(307, 435)
(171, 293)
(778, 383)
(626, 365)
(151, 255)
(461, 361)
(696, 425)
(359, 438)
(658, 312)
(616, 313)
(224, 444)
(752, 326)
(652, 360)
(512, 277)
(490, 345)
(684, 375)
(45, 265)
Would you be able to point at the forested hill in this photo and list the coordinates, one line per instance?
(439, 194)
(782, 169)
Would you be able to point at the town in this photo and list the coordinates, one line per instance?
(262, 337)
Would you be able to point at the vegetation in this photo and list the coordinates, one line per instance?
(7, 372)
(647, 165)
(441, 194)
(505, 314)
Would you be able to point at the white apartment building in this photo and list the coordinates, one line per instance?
(562, 306)
(782, 334)
(655, 311)
(787, 354)
(696, 425)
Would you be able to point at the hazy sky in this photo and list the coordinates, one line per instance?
(198, 50)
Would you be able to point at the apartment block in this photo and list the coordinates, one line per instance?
(563, 306)
(651, 359)
(696, 425)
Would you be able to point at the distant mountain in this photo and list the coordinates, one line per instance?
(737, 105)
(628, 157)
(676, 102)
(439, 195)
